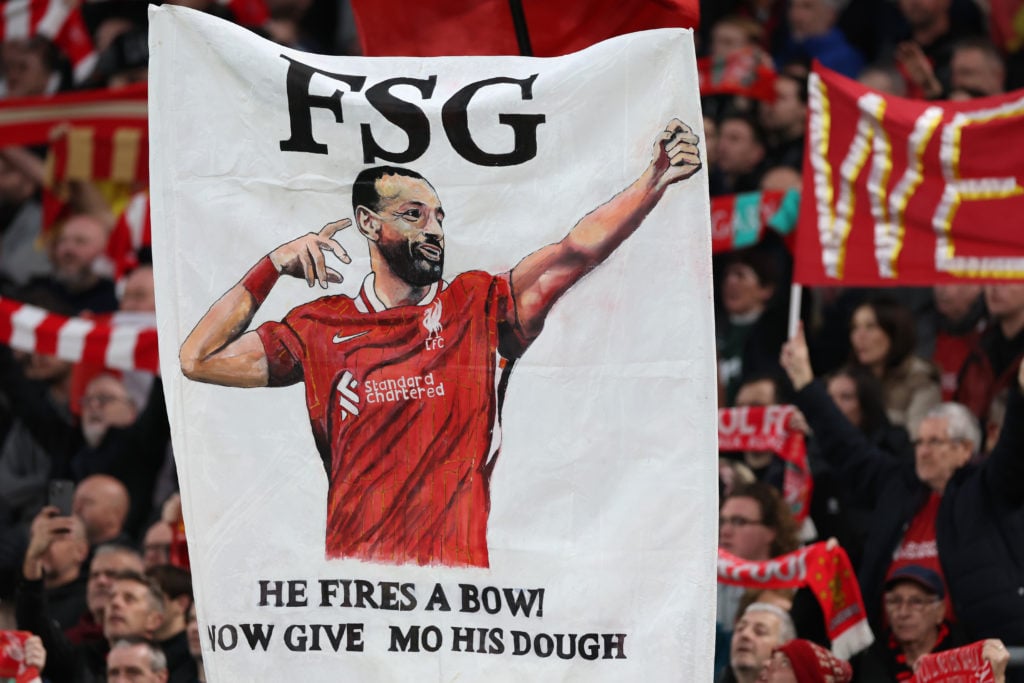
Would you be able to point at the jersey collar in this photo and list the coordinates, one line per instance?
(370, 299)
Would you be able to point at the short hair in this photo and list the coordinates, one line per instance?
(173, 581)
(981, 44)
(775, 514)
(757, 132)
(801, 84)
(364, 189)
(759, 260)
(787, 631)
(961, 424)
(153, 592)
(780, 384)
(115, 548)
(897, 322)
(752, 30)
(157, 658)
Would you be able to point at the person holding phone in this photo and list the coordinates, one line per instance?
(54, 563)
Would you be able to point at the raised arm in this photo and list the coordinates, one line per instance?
(540, 279)
(219, 350)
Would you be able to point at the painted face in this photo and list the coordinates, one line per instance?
(411, 236)
(756, 634)
(869, 341)
(936, 456)
(843, 391)
(913, 613)
(741, 529)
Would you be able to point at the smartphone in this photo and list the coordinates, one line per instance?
(61, 493)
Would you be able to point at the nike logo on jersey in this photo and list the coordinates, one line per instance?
(338, 339)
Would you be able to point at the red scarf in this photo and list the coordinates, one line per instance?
(12, 657)
(829, 575)
(960, 665)
(760, 428)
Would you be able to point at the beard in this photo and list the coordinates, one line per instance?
(407, 262)
(93, 433)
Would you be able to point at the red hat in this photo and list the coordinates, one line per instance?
(814, 664)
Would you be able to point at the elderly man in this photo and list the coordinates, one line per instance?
(135, 660)
(915, 611)
(961, 521)
(762, 628)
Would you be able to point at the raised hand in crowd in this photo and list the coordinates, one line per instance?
(49, 528)
(796, 360)
(918, 68)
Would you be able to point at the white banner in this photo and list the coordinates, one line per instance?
(350, 518)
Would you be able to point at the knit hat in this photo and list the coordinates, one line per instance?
(814, 664)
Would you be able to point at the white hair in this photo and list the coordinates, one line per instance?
(961, 424)
(787, 631)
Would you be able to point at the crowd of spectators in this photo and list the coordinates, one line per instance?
(910, 397)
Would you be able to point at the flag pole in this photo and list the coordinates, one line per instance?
(519, 21)
(796, 290)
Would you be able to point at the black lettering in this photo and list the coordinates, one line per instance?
(328, 591)
(355, 638)
(405, 115)
(497, 646)
(470, 599)
(364, 594)
(520, 642)
(409, 593)
(232, 640)
(297, 593)
(589, 647)
(438, 600)
(614, 642)
(295, 638)
(543, 645)
(270, 589)
(404, 642)
(256, 635)
(462, 638)
(491, 598)
(523, 600)
(431, 639)
(301, 103)
(455, 118)
(388, 595)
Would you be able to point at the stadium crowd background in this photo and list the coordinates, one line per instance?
(115, 571)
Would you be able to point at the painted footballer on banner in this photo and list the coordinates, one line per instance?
(404, 382)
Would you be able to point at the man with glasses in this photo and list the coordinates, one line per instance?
(962, 521)
(915, 612)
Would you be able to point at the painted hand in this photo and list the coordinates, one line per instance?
(304, 257)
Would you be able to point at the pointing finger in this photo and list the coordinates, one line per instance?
(329, 230)
(335, 248)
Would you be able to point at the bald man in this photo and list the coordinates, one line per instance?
(102, 502)
(53, 564)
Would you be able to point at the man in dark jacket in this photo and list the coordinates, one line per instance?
(962, 520)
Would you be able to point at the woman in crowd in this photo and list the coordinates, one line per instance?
(882, 338)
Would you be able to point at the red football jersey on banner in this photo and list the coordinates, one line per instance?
(402, 403)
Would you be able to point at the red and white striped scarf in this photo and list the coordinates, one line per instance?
(57, 20)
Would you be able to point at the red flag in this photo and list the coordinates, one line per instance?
(130, 234)
(909, 192)
(829, 575)
(485, 27)
(12, 658)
